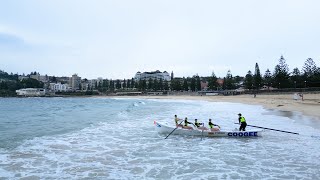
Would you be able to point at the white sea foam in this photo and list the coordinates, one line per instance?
(127, 147)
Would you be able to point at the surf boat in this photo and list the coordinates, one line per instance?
(166, 129)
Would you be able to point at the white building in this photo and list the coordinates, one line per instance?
(58, 87)
(95, 82)
(23, 77)
(31, 92)
(152, 75)
(44, 78)
(85, 86)
(38, 77)
(35, 76)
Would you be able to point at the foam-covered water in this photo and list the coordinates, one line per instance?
(96, 138)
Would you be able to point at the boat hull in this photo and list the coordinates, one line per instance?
(165, 129)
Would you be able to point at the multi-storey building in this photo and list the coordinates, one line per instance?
(63, 79)
(42, 78)
(58, 87)
(75, 81)
(94, 83)
(152, 75)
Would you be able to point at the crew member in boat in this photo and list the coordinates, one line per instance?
(242, 122)
(198, 125)
(176, 119)
(212, 126)
(186, 122)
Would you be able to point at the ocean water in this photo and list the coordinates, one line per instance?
(111, 138)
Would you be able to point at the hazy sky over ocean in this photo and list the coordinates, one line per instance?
(117, 38)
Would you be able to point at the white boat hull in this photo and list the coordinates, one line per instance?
(165, 129)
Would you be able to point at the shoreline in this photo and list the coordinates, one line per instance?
(310, 106)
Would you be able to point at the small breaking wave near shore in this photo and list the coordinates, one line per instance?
(106, 141)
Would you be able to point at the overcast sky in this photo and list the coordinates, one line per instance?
(114, 39)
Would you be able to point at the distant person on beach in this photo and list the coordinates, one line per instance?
(211, 126)
(242, 122)
(301, 95)
(198, 125)
(186, 122)
(176, 119)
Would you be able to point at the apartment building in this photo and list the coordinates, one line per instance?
(75, 81)
(58, 87)
(42, 78)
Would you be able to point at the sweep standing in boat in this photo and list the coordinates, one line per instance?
(242, 122)
(198, 125)
(176, 119)
(186, 122)
(212, 128)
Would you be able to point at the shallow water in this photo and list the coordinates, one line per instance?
(97, 138)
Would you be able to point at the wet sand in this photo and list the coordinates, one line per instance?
(309, 106)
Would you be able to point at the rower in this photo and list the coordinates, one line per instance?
(186, 122)
(176, 119)
(242, 122)
(211, 126)
(198, 125)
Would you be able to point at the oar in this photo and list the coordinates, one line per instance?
(272, 129)
(202, 131)
(173, 130)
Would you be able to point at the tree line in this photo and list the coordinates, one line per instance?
(9, 83)
(281, 77)
(309, 76)
(129, 84)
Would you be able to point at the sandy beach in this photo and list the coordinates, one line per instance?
(310, 105)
